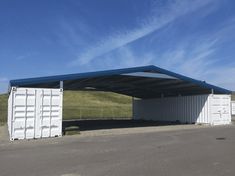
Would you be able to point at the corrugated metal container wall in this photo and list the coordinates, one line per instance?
(34, 113)
(186, 109)
(233, 107)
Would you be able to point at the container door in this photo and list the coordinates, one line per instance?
(220, 109)
(233, 107)
(56, 113)
(50, 113)
(24, 111)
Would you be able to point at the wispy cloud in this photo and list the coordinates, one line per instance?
(3, 79)
(190, 58)
(24, 56)
(3, 84)
(223, 76)
(200, 61)
(72, 34)
(195, 58)
(158, 19)
(124, 57)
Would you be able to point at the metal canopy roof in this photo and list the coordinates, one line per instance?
(141, 82)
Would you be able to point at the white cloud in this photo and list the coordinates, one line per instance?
(223, 76)
(195, 57)
(73, 35)
(199, 62)
(3, 79)
(158, 19)
(23, 57)
(126, 57)
(3, 84)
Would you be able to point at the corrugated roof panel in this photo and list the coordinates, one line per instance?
(143, 82)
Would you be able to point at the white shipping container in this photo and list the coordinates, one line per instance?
(209, 109)
(233, 107)
(34, 113)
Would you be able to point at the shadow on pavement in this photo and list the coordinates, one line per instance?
(85, 125)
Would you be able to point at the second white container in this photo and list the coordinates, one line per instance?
(209, 109)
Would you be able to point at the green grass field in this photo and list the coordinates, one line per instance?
(3, 108)
(92, 104)
(86, 105)
(233, 96)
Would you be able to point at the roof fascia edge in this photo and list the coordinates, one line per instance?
(28, 81)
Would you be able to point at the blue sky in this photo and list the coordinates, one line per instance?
(195, 38)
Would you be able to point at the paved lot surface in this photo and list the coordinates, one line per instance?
(196, 151)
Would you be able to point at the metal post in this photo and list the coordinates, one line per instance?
(62, 85)
(9, 89)
(133, 108)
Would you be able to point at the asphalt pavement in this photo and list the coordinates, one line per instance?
(184, 152)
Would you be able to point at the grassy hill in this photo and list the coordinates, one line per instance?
(233, 96)
(92, 104)
(3, 108)
(86, 105)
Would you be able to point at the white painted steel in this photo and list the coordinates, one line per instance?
(34, 113)
(208, 109)
(220, 109)
(233, 107)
